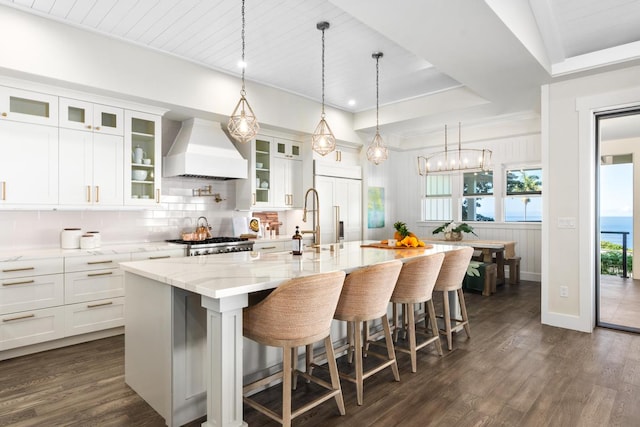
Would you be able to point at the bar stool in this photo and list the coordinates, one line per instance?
(365, 296)
(450, 278)
(299, 312)
(415, 285)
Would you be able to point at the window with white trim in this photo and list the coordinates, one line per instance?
(523, 199)
(437, 203)
(478, 203)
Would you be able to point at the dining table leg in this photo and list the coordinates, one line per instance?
(487, 256)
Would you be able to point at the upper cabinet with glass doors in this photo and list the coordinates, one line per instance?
(87, 116)
(20, 105)
(142, 158)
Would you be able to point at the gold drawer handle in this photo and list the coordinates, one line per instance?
(99, 274)
(28, 316)
(4, 190)
(9, 270)
(99, 262)
(159, 257)
(99, 305)
(24, 282)
(267, 247)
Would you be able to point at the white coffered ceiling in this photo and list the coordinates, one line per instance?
(476, 59)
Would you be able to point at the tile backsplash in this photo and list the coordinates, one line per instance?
(179, 212)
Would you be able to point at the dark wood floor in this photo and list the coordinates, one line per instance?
(514, 372)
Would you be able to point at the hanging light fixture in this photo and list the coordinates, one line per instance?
(452, 161)
(243, 125)
(377, 152)
(322, 141)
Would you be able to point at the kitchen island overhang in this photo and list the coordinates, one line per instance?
(174, 305)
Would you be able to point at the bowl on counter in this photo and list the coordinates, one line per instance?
(138, 175)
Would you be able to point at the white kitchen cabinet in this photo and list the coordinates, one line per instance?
(342, 155)
(31, 284)
(287, 149)
(287, 183)
(256, 191)
(29, 107)
(91, 168)
(82, 286)
(162, 254)
(340, 201)
(31, 327)
(87, 116)
(271, 246)
(28, 164)
(142, 180)
(93, 316)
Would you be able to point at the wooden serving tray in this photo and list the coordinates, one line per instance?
(385, 246)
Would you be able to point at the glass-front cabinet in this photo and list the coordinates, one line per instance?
(142, 158)
(20, 105)
(87, 116)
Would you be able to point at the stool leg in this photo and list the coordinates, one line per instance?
(333, 370)
(463, 310)
(294, 366)
(309, 359)
(286, 387)
(394, 308)
(412, 336)
(365, 338)
(434, 325)
(357, 333)
(447, 319)
(350, 341)
(390, 350)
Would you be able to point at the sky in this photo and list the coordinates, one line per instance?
(616, 190)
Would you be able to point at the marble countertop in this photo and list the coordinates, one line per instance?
(236, 273)
(27, 254)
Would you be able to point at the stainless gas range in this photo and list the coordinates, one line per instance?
(215, 245)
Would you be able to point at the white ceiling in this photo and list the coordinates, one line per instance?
(478, 59)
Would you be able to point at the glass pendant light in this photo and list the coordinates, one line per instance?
(322, 141)
(377, 152)
(243, 125)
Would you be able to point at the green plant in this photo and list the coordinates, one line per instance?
(450, 226)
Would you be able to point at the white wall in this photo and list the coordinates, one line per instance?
(568, 145)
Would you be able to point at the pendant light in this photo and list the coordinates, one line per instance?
(377, 152)
(243, 125)
(453, 161)
(322, 141)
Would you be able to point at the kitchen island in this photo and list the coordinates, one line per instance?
(183, 323)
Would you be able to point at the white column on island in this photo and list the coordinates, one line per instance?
(224, 350)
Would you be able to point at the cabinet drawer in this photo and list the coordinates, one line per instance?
(35, 267)
(266, 247)
(31, 327)
(91, 285)
(169, 253)
(93, 316)
(94, 262)
(31, 293)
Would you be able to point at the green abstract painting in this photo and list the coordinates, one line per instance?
(375, 210)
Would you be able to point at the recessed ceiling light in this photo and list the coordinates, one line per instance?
(352, 102)
(242, 64)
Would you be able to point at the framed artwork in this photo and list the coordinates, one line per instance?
(375, 208)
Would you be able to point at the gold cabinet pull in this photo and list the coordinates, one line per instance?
(267, 247)
(97, 127)
(24, 282)
(157, 195)
(97, 194)
(4, 190)
(159, 257)
(99, 304)
(10, 270)
(27, 316)
(99, 274)
(88, 126)
(4, 114)
(253, 198)
(99, 262)
(89, 193)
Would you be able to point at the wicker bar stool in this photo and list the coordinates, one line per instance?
(365, 296)
(299, 312)
(450, 278)
(415, 285)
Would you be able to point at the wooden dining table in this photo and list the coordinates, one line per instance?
(501, 249)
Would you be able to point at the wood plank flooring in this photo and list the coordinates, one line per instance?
(512, 372)
(620, 301)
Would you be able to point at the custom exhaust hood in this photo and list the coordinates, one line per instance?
(203, 150)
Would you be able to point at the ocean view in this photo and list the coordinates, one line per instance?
(617, 223)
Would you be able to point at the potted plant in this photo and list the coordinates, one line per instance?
(453, 231)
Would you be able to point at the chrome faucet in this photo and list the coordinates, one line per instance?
(316, 227)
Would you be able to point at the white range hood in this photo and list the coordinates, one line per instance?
(203, 150)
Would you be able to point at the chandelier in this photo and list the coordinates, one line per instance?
(322, 141)
(452, 161)
(243, 125)
(377, 152)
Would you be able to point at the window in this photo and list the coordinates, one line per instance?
(437, 203)
(478, 203)
(523, 201)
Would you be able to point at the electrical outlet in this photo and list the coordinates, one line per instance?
(564, 291)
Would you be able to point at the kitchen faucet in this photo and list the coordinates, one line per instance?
(316, 227)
